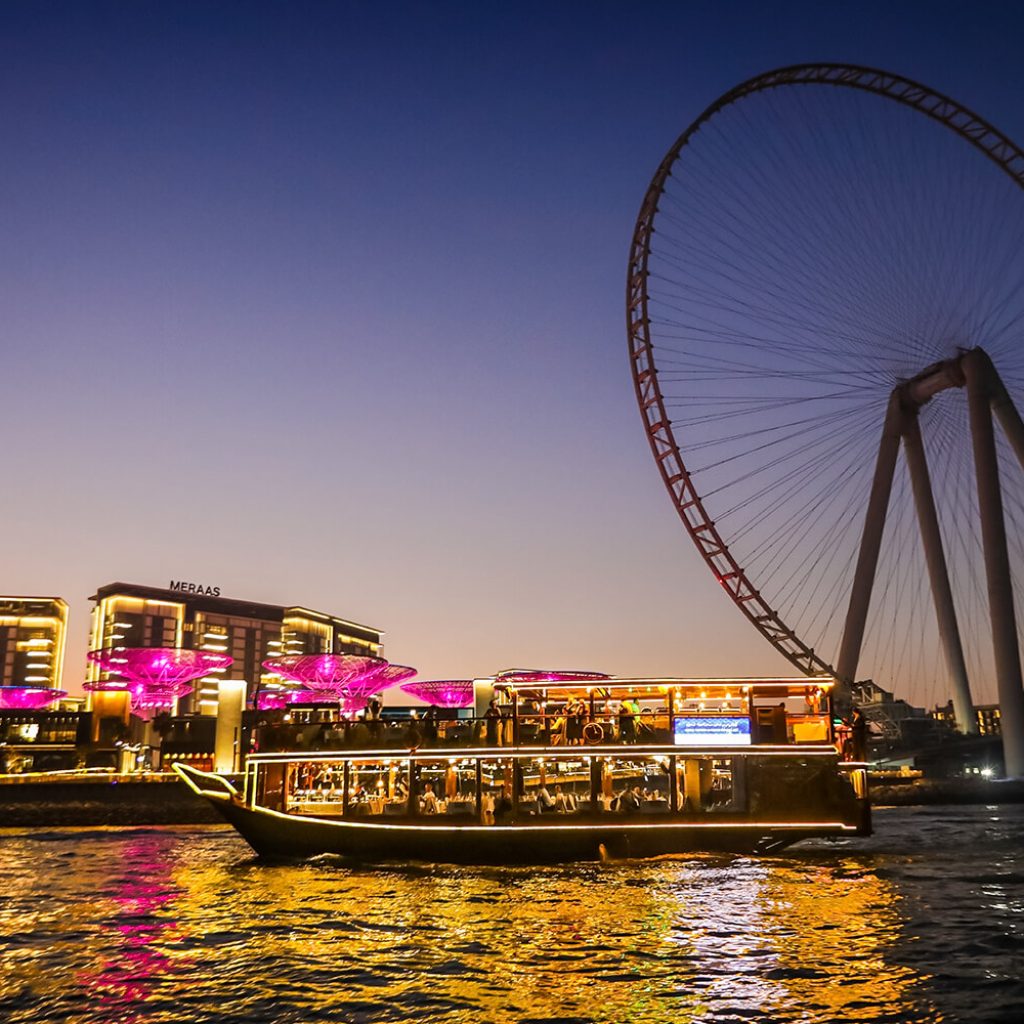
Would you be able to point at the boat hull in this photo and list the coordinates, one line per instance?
(276, 835)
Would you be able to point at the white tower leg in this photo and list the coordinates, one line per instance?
(997, 562)
(938, 573)
(871, 543)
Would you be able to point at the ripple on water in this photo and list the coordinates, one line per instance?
(920, 923)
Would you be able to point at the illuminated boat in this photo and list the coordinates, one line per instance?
(554, 767)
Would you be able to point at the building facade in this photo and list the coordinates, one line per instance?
(987, 716)
(32, 637)
(131, 615)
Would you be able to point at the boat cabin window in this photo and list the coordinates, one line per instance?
(707, 784)
(635, 785)
(555, 785)
(376, 788)
(445, 787)
(315, 787)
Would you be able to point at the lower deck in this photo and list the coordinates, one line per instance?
(560, 787)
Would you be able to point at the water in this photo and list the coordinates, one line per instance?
(923, 922)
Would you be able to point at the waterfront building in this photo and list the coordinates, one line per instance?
(32, 636)
(986, 715)
(37, 740)
(199, 618)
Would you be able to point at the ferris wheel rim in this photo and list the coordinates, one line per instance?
(668, 455)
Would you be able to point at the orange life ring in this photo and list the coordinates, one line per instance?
(593, 732)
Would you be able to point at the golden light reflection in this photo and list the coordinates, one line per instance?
(164, 924)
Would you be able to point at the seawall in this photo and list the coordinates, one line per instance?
(948, 791)
(117, 800)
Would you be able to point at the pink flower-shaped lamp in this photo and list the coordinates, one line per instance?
(275, 700)
(28, 698)
(442, 693)
(156, 676)
(338, 676)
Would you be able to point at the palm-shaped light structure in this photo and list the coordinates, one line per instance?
(156, 676)
(442, 693)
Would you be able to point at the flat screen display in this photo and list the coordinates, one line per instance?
(711, 731)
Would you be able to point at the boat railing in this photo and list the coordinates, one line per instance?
(539, 730)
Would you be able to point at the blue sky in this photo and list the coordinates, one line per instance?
(323, 303)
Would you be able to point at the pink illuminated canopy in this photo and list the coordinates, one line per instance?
(379, 680)
(338, 676)
(156, 676)
(28, 698)
(541, 675)
(443, 693)
(275, 700)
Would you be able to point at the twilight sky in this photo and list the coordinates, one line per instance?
(322, 303)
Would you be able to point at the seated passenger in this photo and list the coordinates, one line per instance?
(564, 802)
(502, 805)
(428, 801)
(629, 801)
(545, 802)
(487, 808)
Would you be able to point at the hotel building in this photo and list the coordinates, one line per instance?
(32, 634)
(197, 618)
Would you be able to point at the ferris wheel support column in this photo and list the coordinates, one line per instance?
(976, 366)
(938, 573)
(871, 543)
(1006, 412)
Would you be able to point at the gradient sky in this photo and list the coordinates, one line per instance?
(323, 303)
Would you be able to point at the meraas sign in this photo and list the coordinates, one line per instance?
(193, 588)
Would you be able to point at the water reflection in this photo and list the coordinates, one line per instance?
(177, 925)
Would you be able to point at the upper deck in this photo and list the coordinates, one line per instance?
(735, 713)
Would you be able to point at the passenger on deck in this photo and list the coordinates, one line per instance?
(412, 736)
(487, 807)
(629, 801)
(780, 730)
(492, 719)
(627, 722)
(575, 718)
(545, 801)
(858, 736)
(430, 717)
(502, 805)
(564, 802)
(373, 712)
(428, 801)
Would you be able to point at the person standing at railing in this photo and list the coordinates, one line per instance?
(575, 719)
(492, 720)
(858, 736)
(627, 722)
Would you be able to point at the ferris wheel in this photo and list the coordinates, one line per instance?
(825, 309)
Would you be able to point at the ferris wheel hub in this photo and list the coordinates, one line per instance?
(922, 388)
